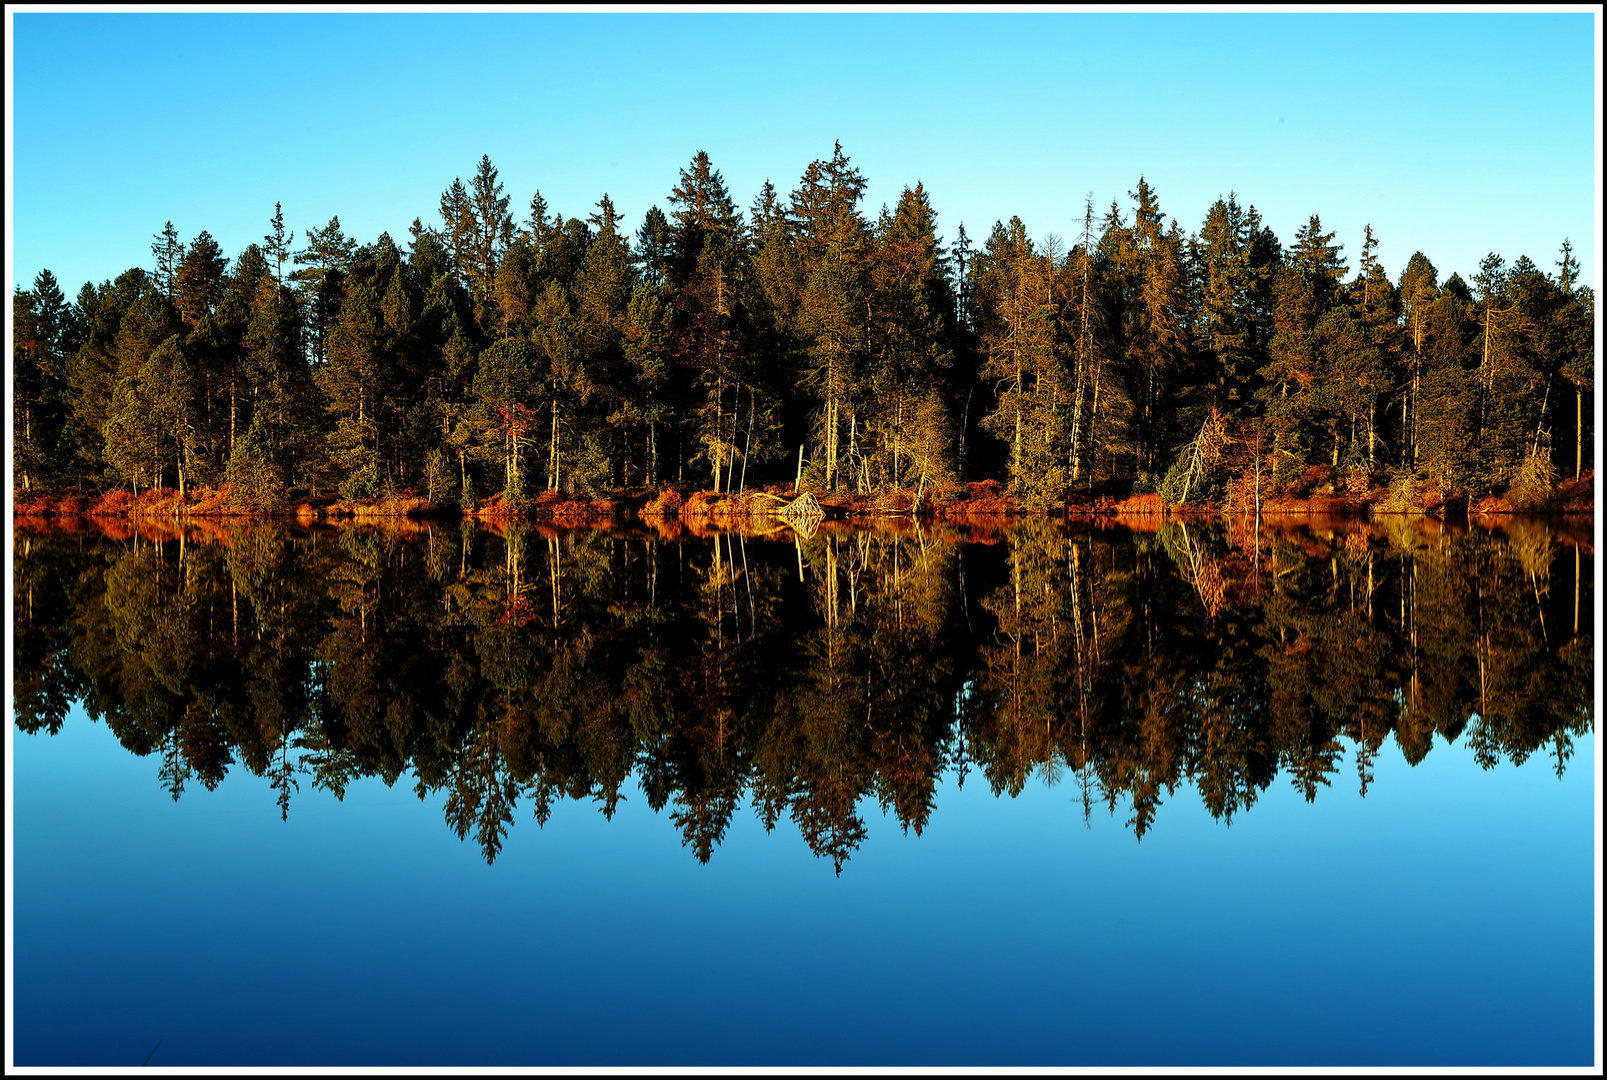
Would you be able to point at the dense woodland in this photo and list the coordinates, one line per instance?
(505, 670)
(489, 358)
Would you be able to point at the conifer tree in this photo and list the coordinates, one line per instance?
(276, 244)
(168, 251)
(324, 262)
(910, 354)
(200, 279)
(492, 232)
(1418, 289)
(706, 257)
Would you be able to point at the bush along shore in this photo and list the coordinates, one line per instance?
(981, 500)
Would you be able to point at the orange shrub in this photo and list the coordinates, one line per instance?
(665, 504)
(115, 503)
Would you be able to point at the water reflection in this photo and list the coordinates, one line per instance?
(516, 667)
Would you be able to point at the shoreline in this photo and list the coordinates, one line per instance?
(985, 501)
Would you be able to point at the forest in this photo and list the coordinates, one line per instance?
(507, 669)
(802, 342)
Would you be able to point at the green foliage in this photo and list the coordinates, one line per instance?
(1405, 495)
(519, 352)
(1534, 482)
(438, 478)
(591, 471)
(255, 482)
(364, 483)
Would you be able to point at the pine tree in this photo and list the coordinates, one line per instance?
(356, 380)
(492, 227)
(707, 253)
(1419, 287)
(645, 339)
(93, 369)
(911, 327)
(45, 332)
(504, 387)
(168, 251)
(324, 261)
(457, 232)
(200, 279)
(566, 380)
(1020, 325)
(1577, 346)
(276, 245)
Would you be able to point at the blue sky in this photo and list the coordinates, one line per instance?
(1455, 134)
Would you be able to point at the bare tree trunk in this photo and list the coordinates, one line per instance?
(1015, 443)
(746, 450)
(965, 422)
(1372, 413)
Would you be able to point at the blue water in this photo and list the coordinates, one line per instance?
(1445, 919)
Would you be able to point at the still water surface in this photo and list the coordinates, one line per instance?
(1319, 795)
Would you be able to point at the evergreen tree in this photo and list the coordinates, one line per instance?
(707, 253)
(1418, 289)
(169, 251)
(319, 284)
(276, 245)
(491, 231)
(200, 280)
(910, 355)
(45, 332)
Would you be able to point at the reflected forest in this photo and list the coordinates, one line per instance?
(503, 668)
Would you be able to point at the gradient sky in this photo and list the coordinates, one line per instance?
(1451, 133)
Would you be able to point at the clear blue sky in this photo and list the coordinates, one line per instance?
(1454, 134)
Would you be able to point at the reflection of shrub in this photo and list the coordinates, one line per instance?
(1532, 482)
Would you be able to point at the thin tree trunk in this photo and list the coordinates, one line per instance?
(746, 450)
(1372, 413)
(965, 422)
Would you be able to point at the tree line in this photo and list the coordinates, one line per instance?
(801, 340)
(521, 667)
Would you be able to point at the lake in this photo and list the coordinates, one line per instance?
(1311, 794)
